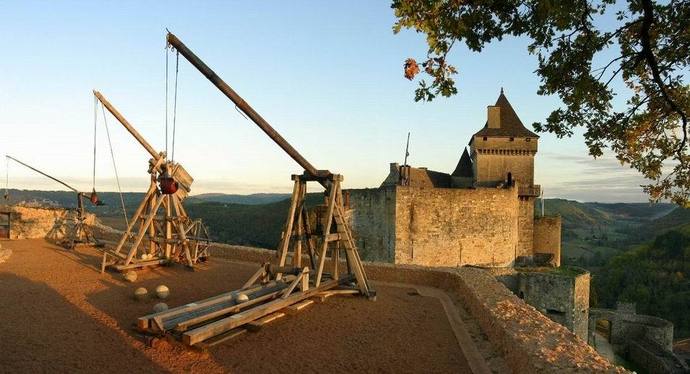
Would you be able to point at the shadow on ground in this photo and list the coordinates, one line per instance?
(43, 332)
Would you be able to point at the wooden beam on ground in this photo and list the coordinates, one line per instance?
(221, 338)
(218, 327)
(259, 323)
(294, 308)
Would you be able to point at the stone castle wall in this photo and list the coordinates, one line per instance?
(526, 227)
(454, 227)
(39, 223)
(547, 237)
(561, 296)
(373, 223)
(436, 226)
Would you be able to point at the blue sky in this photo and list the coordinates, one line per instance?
(326, 75)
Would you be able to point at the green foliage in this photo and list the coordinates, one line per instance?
(656, 277)
(648, 48)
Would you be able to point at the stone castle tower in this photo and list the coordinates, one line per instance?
(502, 153)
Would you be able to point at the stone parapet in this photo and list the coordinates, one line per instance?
(528, 340)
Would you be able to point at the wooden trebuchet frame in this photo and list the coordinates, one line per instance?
(289, 280)
(160, 231)
(80, 233)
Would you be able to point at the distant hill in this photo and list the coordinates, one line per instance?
(574, 214)
(645, 211)
(577, 215)
(68, 199)
(677, 219)
(253, 199)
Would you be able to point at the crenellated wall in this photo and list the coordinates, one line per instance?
(494, 158)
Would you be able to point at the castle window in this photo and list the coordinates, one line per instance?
(512, 139)
(484, 138)
(528, 140)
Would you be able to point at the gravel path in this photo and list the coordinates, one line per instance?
(59, 314)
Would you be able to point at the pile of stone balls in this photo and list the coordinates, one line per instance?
(141, 293)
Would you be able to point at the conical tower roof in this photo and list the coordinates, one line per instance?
(464, 168)
(510, 123)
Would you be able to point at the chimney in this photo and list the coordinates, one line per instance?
(494, 116)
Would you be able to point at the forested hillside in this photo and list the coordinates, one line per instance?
(655, 276)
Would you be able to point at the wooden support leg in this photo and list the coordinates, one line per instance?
(141, 234)
(287, 233)
(327, 230)
(294, 283)
(181, 234)
(168, 226)
(308, 239)
(259, 274)
(336, 259)
(297, 259)
(103, 263)
(135, 217)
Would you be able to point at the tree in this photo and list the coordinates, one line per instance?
(650, 45)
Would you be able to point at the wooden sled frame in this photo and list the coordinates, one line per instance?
(161, 229)
(280, 286)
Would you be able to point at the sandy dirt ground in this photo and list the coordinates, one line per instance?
(59, 314)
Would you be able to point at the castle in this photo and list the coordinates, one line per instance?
(480, 214)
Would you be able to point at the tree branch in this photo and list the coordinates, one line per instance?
(650, 58)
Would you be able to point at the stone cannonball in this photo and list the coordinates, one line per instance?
(140, 293)
(160, 307)
(131, 276)
(162, 291)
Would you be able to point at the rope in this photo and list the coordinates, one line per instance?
(95, 122)
(177, 70)
(166, 100)
(7, 178)
(117, 177)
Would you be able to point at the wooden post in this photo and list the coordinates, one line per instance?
(308, 239)
(168, 225)
(287, 233)
(182, 235)
(152, 228)
(327, 230)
